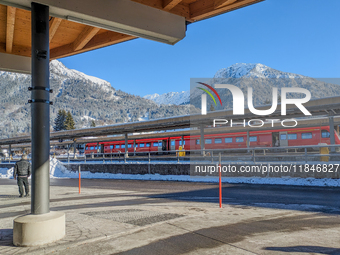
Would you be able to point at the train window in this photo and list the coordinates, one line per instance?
(91, 148)
(180, 142)
(252, 138)
(292, 136)
(155, 144)
(111, 147)
(136, 145)
(123, 146)
(95, 147)
(87, 148)
(141, 145)
(228, 140)
(239, 139)
(306, 136)
(198, 141)
(207, 141)
(172, 143)
(148, 144)
(283, 137)
(325, 134)
(117, 146)
(129, 145)
(218, 140)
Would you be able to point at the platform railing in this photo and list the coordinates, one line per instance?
(251, 154)
(245, 154)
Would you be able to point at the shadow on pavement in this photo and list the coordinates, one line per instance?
(314, 199)
(6, 237)
(306, 249)
(208, 238)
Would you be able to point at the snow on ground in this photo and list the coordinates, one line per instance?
(6, 173)
(58, 170)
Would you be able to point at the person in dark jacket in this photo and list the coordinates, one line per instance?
(22, 170)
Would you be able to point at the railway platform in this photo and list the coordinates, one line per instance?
(141, 217)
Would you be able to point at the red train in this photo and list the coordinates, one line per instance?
(263, 138)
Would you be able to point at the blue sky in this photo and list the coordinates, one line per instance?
(298, 36)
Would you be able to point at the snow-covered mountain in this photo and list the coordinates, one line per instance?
(242, 74)
(88, 99)
(177, 98)
(254, 71)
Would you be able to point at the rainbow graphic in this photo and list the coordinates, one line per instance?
(209, 93)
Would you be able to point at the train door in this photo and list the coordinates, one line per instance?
(283, 139)
(160, 146)
(172, 145)
(164, 145)
(275, 139)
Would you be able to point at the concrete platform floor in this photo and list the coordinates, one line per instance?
(145, 217)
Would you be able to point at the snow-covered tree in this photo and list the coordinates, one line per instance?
(69, 122)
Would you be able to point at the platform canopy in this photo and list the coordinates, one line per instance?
(79, 26)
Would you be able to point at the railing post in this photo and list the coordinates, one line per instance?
(254, 155)
(212, 157)
(306, 158)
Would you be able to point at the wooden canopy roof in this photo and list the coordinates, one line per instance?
(69, 38)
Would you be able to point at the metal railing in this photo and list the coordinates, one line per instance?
(251, 154)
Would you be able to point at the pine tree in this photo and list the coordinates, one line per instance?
(60, 120)
(69, 122)
(93, 124)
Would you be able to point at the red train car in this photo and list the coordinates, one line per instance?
(261, 138)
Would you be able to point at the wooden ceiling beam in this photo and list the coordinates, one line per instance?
(221, 3)
(169, 4)
(10, 28)
(180, 8)
(98, 41)
(85, 36)
(17, 50)
(203, 9)
(54, 24)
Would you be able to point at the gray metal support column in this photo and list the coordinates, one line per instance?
(331, 131)
(248, 142)
(182, 142)
(9, 151)
(98, 148)
(126, 146)
(40, 110)
(202, 140)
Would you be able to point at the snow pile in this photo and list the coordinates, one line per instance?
(6, 173)
(57, 169)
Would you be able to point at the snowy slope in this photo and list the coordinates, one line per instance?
(176, 98)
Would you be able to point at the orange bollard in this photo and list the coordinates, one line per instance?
(79, 180)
